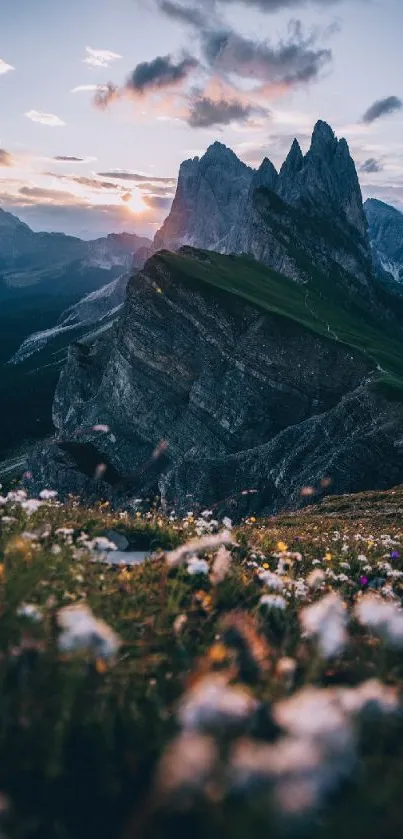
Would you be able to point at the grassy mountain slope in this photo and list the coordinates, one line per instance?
(317, 306)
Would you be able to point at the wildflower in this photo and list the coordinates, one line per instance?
(285, 670)
(394, 555)
(273, 601)
(271, 580)
(328, 557)
(315, 578)
(326, 620)
(186, 765)
(385, 619)
(179, 623)
(227, 523)
(195, 546)
(197, 566)
(364, 581)
(83, 632)
(29, 610)
(214, 705)
(282, 547)
(221, 566)
(48, 494)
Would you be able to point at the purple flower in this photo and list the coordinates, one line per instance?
(364, 581)
(395, 555)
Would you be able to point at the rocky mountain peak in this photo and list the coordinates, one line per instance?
(266, 175)
(323, 138)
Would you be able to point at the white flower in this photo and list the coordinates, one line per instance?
(227, 523)
(187, 764)
(362, 558)
(271, 580)
(48, 494)
(273, 601)
(316, 578)
(326, 620)
(212, 704)
(221, 566)
(197, 566)
(385, 619)
(83, 632)
(29, 610)
(31, 505)
(195, 546)
(100, 543)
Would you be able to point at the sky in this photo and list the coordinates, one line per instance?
(101, 100)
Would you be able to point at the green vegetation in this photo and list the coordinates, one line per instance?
(317, 307)
(86, 739)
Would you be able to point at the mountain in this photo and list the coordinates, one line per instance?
(385, 225)
(206, 204)
(42, 278)
(52, 263)
(249, 379)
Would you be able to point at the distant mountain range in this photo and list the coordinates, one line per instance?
(263, 359)
(41, 276)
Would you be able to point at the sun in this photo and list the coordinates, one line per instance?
(134, 202)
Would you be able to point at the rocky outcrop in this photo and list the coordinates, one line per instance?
(209, 400)
(207, 200)
(386, 235)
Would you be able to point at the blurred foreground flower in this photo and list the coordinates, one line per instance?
(83, 632)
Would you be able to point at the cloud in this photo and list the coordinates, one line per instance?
(48, 196)
(381, 108)
(68, 159)
(100, 58)
(125, 175)
(292, 61)
(184, 14)
(4, 67)
(157, 202)
(89, 88)
(206, 112)
(371, 165)
(159, 73)
(105, 95)
(45, 119)
(82, 180)
(5, 158)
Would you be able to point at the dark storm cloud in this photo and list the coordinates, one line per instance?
(371, 165)
(294, 60)
(159, 73)
(205, 112)
(68, 159)
(134, 176)
(381, 108)
(5, 158)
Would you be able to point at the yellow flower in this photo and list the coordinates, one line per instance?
(328, 557)
(2, 572)
(217, 653)
(266, 566)
(252, 518)
(281, 546)
(19, 547)
(101, 666)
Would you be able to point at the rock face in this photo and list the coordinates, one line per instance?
(206, 204)
(211, 401)
(386, 236)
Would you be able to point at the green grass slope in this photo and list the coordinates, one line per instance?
(316, 306)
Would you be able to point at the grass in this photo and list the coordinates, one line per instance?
(317, 307)
(81, 738)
